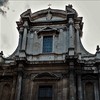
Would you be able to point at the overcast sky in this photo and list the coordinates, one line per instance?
(89, 10)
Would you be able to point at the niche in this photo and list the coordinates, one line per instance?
(6, 92)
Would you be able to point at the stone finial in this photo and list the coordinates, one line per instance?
(1, 57)
(70, 6)
(98, 48)
(1, 53)
(98, 52)
(49, 5)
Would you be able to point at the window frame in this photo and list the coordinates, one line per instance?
(85, 90)
(44, 51)
(95, 84)
(39, 83)
(45, 88)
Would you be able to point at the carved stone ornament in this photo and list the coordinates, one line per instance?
(45, 75)
(49, 15)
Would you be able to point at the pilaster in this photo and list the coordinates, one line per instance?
(19, 82)
(30, 41)
(77, 38)
(65, 89)
(13, 88)
(20, 37)
(96, 91)
(25, 25)
(72, 88)
(31, 89)
(71, 33)
(80, 97)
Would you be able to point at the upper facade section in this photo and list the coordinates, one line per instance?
(50, 35)
(47, 31)
(47, 16)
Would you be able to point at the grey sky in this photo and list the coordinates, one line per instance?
(89, 10)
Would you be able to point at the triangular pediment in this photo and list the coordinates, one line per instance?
(47, 29)
(45, 75)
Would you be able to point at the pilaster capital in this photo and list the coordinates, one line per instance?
(71, 21)
(20, 68)
(21, 30)
(71, 66)
(77, 26)
(25, 25)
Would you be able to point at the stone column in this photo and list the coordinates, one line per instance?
(13, 89)
(55, 87)
(30, 42)
(65, 89)
(71, 33)
(19, 82)
(59, 97)
(96, 91)
(30, 90)
(24, 40)
(72, 88)
(1, 89)
(77, 38)
(80, 97)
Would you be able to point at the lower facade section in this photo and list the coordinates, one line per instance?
(47, 86)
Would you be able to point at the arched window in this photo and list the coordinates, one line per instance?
(6, 92)
(45, 93)
(89, 91)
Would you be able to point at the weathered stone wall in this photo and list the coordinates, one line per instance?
(30, 89)
(7, 88)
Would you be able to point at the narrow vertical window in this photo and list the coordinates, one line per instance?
(89, 91)
(6, 93)
(47, 44)
(45, 93)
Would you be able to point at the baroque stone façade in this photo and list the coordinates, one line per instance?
(68, 70)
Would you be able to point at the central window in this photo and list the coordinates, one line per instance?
(45, 93)
(47, 44)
